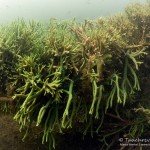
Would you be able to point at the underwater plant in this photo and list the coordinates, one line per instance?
(78, 76)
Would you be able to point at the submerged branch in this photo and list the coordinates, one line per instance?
(6, 99)
(138, 46)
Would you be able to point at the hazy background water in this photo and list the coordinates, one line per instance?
(62, 9)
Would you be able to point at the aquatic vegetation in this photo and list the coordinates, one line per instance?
(71, 75)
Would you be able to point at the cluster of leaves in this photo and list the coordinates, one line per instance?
(82, 76)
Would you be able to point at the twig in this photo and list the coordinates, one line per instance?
(6, 99)
(111, 115)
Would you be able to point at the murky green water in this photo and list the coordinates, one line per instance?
(62, 9)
